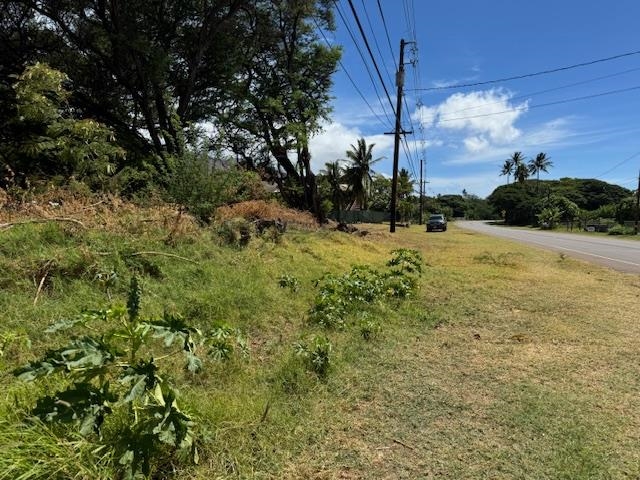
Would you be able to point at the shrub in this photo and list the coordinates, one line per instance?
(202, 190)
(621, 230)
(235, 233)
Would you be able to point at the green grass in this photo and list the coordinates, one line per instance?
(509, 363)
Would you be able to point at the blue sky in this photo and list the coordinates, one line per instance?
(465, 138)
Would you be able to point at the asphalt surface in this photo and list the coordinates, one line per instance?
(613, 252)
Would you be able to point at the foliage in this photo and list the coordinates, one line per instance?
(290, 282)
(621, 230)
(118, 374)
(358, 173)
(316, 354)
(626, 210)
(236, 232)
(549, 217)
(369, 328)
(363, 287)
(408, 260)
(515, 203)
(565, 209)
(283, 94)
(48, 141)
(201, 189)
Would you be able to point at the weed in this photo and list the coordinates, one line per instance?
(289, 281)
(117, 375)
(369, 328)
(407, 260)
(316, 355)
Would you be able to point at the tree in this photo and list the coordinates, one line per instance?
(520, 170)
(507, 169)
(540, 164)
(405, 188)
(380, 198)
(333, 174)
(47, 141)
(359, 172)
(146, 69)
(282, 93)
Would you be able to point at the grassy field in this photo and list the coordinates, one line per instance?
(508, 363)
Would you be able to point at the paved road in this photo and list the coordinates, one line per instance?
(619, 254)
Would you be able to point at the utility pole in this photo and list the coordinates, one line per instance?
(421, 189)
(637, 205)
(398, 131)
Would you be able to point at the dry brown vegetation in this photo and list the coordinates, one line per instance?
(261, 209)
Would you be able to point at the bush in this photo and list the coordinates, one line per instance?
(201, 190)
(235, 233)
(621, 230)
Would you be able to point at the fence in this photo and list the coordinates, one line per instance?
(362, 216)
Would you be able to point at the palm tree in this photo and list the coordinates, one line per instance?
(359, 172)
(507, 169)
(334, 174)
(520, 170)
(540, 164)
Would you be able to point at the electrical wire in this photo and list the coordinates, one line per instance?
(540, 92)
(375, 41)
(628, 159)
(527, 107)
(527, 75)
(386, 31)
(355, 85)
(366, 43)
(366, 65)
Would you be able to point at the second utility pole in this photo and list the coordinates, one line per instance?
(397, 133)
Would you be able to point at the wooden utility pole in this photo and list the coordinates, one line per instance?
(398, 131)
(637, 206)
(421, 190)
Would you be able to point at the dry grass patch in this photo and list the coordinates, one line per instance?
(260, 209)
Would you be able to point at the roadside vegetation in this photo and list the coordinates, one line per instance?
(310, 353)
(585, 204)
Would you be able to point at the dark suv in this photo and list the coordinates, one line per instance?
(437, 222)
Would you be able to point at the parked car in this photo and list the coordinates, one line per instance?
(437, 222)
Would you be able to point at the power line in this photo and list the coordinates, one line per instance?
(619, 164)
(366, 65)
(386, 31)
(540, 92)
(366, 43)
(527, 75)
(527, 107)
(355, 86)
(375, 40)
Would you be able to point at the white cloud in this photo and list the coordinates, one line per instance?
(333, 142)
(488, 117)
(554, 133)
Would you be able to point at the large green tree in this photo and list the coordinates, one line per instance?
(255, 70)
(281, 94)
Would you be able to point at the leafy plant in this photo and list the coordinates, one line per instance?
(369, 328)
(408, 260)
(363, 287)
(316, 355)
(118, 374)
(289, 281)
(224, 340)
